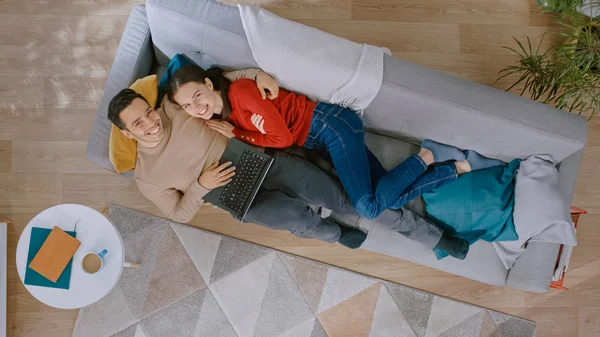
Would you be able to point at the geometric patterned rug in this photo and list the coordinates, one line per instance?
(194, 283)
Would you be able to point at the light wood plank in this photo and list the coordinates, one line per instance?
(46, 124)
(489, 297)
(5, 155)
(591, 158)
(21, 92)
(26, 192)
(539, 17)
(64, 7)
(298, 9)
(587, 193)
(31, 319)
(593, 133)
(104, 30)
(583, 290)
(41, 30)
(585, 255)
(554, 322)
(52, 157)
(73, 92)
(98, 190)
(491, 39)
(397, 36)
(589, 321)
(509, 12)
(61, 61)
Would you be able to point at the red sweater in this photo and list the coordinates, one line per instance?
(287, 118)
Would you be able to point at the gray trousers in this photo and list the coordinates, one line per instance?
(293, 184)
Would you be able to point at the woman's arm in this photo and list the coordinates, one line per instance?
(276, 131)
(273, 130)
(264, 81)
(235, 75)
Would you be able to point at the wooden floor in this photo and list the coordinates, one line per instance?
(55, 56)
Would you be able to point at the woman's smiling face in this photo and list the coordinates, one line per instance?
(199, 99)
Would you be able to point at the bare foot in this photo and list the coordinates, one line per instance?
(462, 167)
(427, 156)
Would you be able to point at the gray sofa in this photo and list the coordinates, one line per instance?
(414, 103)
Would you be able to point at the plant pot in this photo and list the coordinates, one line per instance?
(575, 41)
(588, 10)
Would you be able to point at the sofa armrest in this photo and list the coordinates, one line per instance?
(133, 60)
(568, 170)
(534, 268)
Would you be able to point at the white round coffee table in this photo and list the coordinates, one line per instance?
(96, 233)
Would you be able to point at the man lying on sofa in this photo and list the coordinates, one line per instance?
(178, 163)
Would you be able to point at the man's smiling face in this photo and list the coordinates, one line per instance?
(142, 122)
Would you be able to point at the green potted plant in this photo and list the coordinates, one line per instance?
(566, 75)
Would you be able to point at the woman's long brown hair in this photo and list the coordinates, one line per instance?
(192, 73)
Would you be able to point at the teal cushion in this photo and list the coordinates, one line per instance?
(178, 61)
(477, 205)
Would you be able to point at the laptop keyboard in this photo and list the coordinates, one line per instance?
(247, 174)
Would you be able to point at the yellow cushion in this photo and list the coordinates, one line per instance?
(122, 151)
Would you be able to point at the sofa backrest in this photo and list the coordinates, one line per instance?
(417, 103)
(191, 26)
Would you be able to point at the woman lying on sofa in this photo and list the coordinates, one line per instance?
(238, 110)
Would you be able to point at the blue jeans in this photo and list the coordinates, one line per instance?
(370, 188)
(283, 203)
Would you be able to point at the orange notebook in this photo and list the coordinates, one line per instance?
(55, 254)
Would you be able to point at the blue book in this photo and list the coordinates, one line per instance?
(33, 278)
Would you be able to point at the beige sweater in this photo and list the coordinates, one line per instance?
(168, 174)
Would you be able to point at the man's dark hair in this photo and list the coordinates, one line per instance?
(192, 73)
(119, 103)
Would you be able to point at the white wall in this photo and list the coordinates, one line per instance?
(3, 234)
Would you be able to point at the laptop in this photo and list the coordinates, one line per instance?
(251, 168)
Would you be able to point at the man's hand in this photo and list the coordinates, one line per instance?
(258, 122)
(223, 127)
(216, 175)
(265, 82)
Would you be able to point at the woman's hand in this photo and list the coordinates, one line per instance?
(216, 175)
(258, 122)
(223, 127)
(265, 82)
